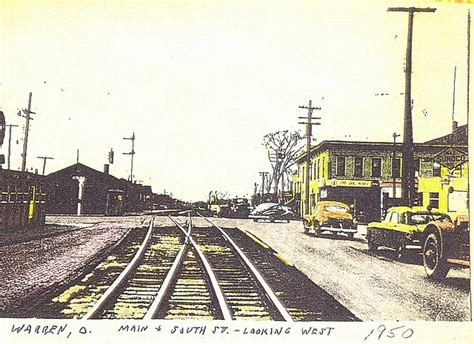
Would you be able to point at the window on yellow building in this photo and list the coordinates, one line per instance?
(317, 169)
(436, 169)
(434, 199)
(323, 172)
(358, 163)
(341, 166)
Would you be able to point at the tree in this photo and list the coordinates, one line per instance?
(282, 148)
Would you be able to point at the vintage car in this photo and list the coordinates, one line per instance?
(239, 208)
(446, 244)
(401, 226)
(271, 212)
(330, 216)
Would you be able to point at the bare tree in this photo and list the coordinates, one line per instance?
(282, 148)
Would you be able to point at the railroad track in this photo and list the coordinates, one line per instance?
(173, 277)
(188, 272)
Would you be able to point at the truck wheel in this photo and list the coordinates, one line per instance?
(436, 266)
(317, 228)
(306, 226)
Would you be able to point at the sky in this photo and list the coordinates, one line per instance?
(201, 82)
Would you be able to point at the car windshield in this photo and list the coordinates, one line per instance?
(336, 208)
(424, 218)
(264, 206)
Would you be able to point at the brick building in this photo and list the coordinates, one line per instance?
(63, 191)
(366, 174)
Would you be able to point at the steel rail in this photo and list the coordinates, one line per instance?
(158, 301)
(98, 306)
(268, 290)
(215, 285)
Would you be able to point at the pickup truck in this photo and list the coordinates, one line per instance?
(446, 245)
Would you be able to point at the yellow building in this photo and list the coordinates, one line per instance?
(443, 181)
(365, 175)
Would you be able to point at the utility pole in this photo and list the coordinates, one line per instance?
(44, 161)
(394, 181)
(468, 61)
(131, 153)
(408, 173)
(264, 175)
(10, 126)
(309, 130)
(454, 96)
(26, 114)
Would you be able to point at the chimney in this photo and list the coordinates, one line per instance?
(455, 126)
(106, 168)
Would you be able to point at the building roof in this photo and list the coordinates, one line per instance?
(325, 145)
(79, 168)
(457, 137)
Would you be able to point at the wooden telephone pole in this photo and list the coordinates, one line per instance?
(408, 171)
(44, 161)
(26, 114)
(309, 130)
(131, 153)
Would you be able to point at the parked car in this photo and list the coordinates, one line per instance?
(239, 208)
(330, 216)
(401, 226)
(271, 212)
(446, 244)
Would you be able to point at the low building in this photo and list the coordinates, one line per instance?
(22, 200)
(367, 175)
(84, 189)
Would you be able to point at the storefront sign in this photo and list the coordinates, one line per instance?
(451, 157)
(351, 183)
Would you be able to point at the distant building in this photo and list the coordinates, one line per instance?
(63, 191)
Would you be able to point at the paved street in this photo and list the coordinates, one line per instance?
(372, 287)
